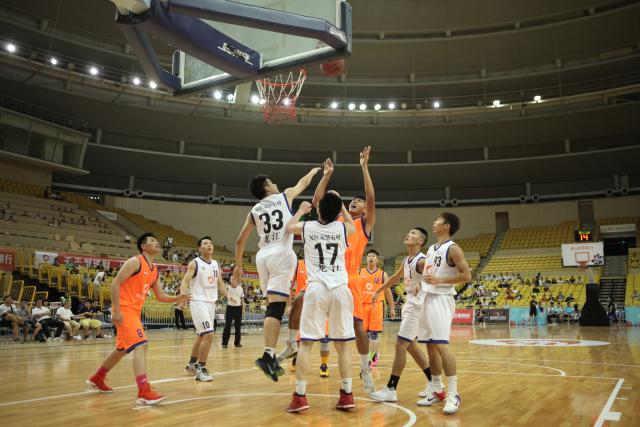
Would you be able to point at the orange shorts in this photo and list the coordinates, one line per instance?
(373, 317)
(130, 332)
(354, 287)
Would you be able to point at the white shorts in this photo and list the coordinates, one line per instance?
(435, 320)
(202, 313)
(322, 304)
(410, 324)
(276, 268)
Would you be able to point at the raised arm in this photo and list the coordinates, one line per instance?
(370, 205)
(184, 285)
(248, 226)
(348, 221)
(293, 192)
(294, 226)
(322, 185)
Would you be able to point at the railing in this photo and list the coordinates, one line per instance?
(42, 113)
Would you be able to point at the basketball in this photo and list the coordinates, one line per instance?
(333, 68)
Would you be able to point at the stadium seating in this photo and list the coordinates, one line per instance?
(539, 237)
(480, 243)
(523, 263)
(632, 295)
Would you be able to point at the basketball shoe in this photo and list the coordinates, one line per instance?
(298, 403)
(432, 397)
(99, 384)
(146, 396)
(324, 371)
(369, 385)
(346, 401)
(202, 374)
(451, 404)
(291, 350)
(385, 395)
(191, 368)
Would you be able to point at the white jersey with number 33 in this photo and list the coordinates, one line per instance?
(437, 264)
(324, 248)
(271, 216)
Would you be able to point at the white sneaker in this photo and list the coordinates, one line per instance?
(191, 369)
(369, 385)
(290, 350)
(385, 395)
(203, 375)
(452, 404)
(425, 392)
(57, 339)
(432, 397)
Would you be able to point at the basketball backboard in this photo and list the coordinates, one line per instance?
(222, 43)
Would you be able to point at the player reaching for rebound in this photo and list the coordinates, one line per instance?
(275, 260)
(128, 292)
(373, 279)
(412, 268)
(445, 266)
(204, 281)
(327, 297)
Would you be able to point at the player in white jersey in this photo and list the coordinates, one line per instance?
(327, 297)
(445, 266)
(204, 281)
(276, 261)
(411, 271)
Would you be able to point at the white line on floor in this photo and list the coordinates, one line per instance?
(606, 414)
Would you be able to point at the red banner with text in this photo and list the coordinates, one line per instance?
(7, 259)
(463, 316)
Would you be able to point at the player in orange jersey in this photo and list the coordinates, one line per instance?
(363, 210)
(128, 291)
(373, 279)
(298, 288)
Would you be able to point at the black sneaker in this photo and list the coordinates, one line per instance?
(224, 346)
(268, 365)
(238, 345)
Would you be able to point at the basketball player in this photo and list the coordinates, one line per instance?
(362, 209)
(327, 296)
(445, 266)
(275, 260)
(372, 279)
(412, 267)
(128, 292)
(299, 286)
(204, 281)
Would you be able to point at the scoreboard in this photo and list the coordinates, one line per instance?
(584, 235)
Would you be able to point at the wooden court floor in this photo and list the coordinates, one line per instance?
(538, 376)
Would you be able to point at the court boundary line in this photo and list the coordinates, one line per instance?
(606, 414)
(412, 416)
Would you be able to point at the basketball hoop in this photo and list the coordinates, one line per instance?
(582, 265)
(278, 96)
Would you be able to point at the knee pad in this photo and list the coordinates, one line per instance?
(276, 310)
(373, 336)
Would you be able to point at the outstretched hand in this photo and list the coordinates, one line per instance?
(328, 167)
(305, 207)
(364, 156)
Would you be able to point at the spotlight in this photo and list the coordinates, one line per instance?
(334, 105)
(255, 99)
(392, 106)
(286, 102)
(537, 99)
(496, 103)
(153, 84)
(363, 107)
(10, 47)
(217, 94)
(352, 106)
(230, 97)
(53, 61)
(262, 101)
(436, 104)
(93, 70)
(377, 107)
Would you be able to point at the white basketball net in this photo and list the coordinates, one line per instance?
(278, 95)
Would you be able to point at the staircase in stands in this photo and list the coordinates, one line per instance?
(495, 246)
(613, 282)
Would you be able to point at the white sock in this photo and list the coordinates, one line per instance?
(437, 383)
(346, 385)
(364, 362)
(301, 387)
(452, 384)
(293, 337)
(271, 351)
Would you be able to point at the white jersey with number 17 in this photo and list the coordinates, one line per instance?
(324, 248)
(271, 216)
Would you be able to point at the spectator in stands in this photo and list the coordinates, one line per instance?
(567, 313)
(42, 315)
(570, 298)
(493, 303)
(66, 316)
(10, 319)
(576, 313)
(554, 312)
(99, 276)
(88, 321)
(25, 314)
(533, 312)
(536, 289)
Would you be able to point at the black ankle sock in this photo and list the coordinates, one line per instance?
(427, 372)
(266, 356)
(393, 382)
(193, 360)
(201, 364)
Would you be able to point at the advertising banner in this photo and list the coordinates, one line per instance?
(496, 315)
(7, 259)
(463, 316)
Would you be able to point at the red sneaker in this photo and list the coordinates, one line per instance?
(98, 383)
(146, 396)
(298, 403)
(441, 396)
(346, 401)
